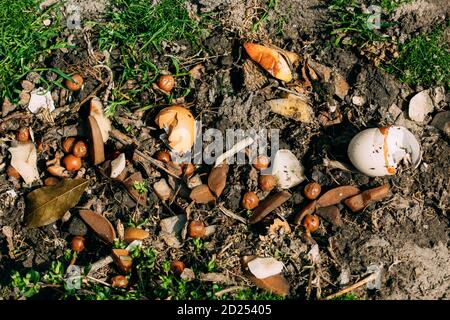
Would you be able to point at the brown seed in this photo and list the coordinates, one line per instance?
(12, 172)
(311, 222)
(68, 144)
(188, 169)
(166, 83)
(131, 234)
(250, 200)
(309, 209)
(268, 205)
(312, 190)
(119, 282)
(276, 284)
(51, 181)
(336, 195)
(80, 149)
(267, 182)
(75, 83)
(163, 156)
(78, 244)
(202, 194)
(23, 135)
(177, 267)
(72, 163)
(99, 224)
(196, 229)
(122, 260)
(217, 179)
(261, 162)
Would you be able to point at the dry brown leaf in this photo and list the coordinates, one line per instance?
(277, 225)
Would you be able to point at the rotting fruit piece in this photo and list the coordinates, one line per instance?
(179, 123)
(270, 59)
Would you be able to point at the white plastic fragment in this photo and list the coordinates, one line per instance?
(287, 169)
(24, 160)
(241, 145)
(265, 267)
(118, 165)
(41, 99)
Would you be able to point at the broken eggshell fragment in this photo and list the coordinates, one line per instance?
(379, 151)
(265, 267)
(287, 169)
(269, 59)
(179, 124)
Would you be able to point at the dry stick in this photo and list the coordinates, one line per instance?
(227, 290)
(100, 264)
(353, 286)
(231, 214)
(152, 161)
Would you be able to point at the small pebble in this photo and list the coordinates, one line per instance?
(358, 101)
(77, 227)
(47, 22)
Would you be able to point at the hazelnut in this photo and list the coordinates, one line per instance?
(119, 282)
(311, 222)
(312, 190)
(75, 83)
(80, 149)
(163, 156)
(196, 229)
(12, 172)
(166, 83)
(261, 162)
(68, 144)
(250, 200)
(188, 169)
(72, 163)
(23, 135)
(51, 181)
(267, 182)
(78, 244)
(177, 267)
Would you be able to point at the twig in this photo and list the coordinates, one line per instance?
(100, 264)
(227, 290)
(352, 287)
(231, 214)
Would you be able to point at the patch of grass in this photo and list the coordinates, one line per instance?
(271, 5)
(423, 60)
(347, 296)
(25, 39)
(140, 186)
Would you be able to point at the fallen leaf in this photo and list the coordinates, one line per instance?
(202, 194)
(322, 71)
(336, 195)
(279, 224)
(265, 267)
(104, 124)
(293, 107)
(24, 160)
(268, 205)
(129, 182)
(101, 226)
(197, 71)
(97, 145)
(48, 204)
(217, 179)
(270, 60)
(341, 87)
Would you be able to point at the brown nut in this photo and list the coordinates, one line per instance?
(119, 282)
(23, 135)
(267, 182)
(72, 163)
(12, 172)
(68, 144)
(166, 83)
(312, 190)
(51, 181)
(311, 222)
(163, 156)
(196, 229)
(261, 162)
(250, 200)
(309, 209)
(80, 149)
(78, 244)
(75, 83)
(177, 267)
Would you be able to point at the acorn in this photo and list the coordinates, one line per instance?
(78, 244)
(188, 169)
(80, 149)
(177, 267)
(163, 156)
(261, 162)
(51, 181)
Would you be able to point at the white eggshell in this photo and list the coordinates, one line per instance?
(118, 165)
(265, 267)
(24, 160)
(40, 99)
(287, 169)
(376, 154)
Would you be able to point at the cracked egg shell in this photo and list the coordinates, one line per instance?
(179, 123)
(378, 151)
